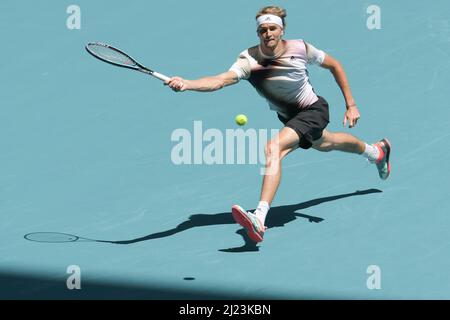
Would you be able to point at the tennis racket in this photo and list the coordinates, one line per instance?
(119, 58)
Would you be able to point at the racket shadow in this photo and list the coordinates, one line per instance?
(279, 217)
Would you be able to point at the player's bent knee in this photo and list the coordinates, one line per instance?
(273, 151)
(323, 146)
(325, 143)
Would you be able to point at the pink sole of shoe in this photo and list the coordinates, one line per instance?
(387, 158)
(240, 218)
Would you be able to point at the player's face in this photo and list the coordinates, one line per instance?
(270, 35)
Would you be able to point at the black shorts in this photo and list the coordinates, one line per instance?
(309, 123)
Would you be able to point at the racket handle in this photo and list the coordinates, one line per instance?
(160, 76)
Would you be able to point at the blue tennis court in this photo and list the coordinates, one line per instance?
(87, 149)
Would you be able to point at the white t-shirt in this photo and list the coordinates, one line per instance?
(282, 80)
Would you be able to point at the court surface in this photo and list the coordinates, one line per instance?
(86, 150)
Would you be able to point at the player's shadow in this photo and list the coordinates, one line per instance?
(278, 217)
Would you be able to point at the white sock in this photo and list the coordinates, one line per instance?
(371, 152)
(261, 211)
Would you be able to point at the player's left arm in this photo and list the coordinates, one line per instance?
(352, 114)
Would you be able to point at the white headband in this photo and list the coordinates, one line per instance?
(269, 18)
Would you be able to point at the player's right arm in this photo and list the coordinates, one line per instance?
(239, 70)
(206, 84)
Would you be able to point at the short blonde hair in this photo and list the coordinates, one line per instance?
(277, 11)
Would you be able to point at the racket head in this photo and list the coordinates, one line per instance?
(51, 237)
(112, 55)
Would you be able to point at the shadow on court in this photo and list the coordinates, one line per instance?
(278, 217)
(16, 286)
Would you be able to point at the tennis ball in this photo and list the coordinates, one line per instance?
(241, 119)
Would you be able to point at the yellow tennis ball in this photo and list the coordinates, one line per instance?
(241, 119)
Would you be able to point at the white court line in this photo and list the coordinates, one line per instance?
(307, 163)
(426, 145)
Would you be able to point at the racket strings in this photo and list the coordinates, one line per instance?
(111, 55)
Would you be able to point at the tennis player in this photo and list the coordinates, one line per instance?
(277, 69)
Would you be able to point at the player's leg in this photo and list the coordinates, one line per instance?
(377, 153)
(276, 149)
(339, 141)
